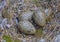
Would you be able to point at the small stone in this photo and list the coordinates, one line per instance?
(57, 38)
(48, 12)
(42, 40)
(6, 13)
(5, 24)
(2, 4)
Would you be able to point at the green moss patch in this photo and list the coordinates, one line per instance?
(39, 33)
(35, 1)
(7, 38)
(17, 40)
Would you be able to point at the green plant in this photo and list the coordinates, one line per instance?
(34, 1)
(39, 32)
(7, 38)
(17, 40)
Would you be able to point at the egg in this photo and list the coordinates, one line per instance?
(39, 18)
(26, 27)
(26, 15)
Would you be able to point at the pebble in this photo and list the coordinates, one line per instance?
(57, 38)
(4, 24)
(48, 12)
(42, 40)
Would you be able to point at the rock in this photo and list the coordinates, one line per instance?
(21, 1)
(58, 7)
(42, 40)
(2, 4)
(57, 38)
(26, 15)
(26, 27)
(48, 12)
(7, 14)
(15, 21)
(9, 2)
(1, 19)
(57, 15)
(5, 24)
(39, 18)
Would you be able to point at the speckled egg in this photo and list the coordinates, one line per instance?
(39, 18)
(26, 15)
(26, 27)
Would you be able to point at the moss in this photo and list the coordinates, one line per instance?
(7, 38)
(35, 1)
(17, 40)
(39, 33)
